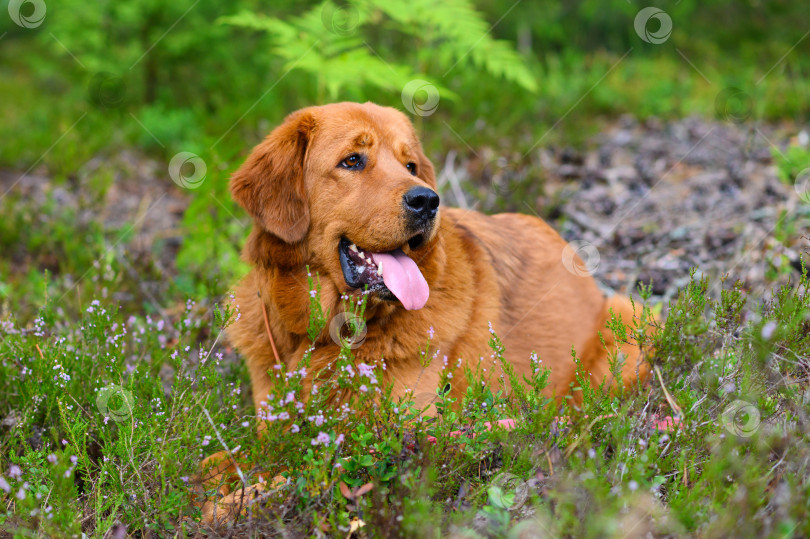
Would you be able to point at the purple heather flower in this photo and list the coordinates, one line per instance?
(365, 370)
(322, 438)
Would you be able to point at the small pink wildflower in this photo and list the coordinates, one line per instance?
(322, 438)
(365, 370)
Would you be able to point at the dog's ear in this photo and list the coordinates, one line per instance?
(425, 169)
(270, 183)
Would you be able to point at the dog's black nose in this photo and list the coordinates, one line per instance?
(421, 203)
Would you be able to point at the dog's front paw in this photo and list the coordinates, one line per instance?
(228, 507)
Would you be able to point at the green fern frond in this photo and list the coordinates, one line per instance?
(343, 59)
(462, 35)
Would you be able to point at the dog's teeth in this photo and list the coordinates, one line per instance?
(379, 268)
(362, 255)
(353, 247)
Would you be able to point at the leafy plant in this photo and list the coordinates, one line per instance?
(336, 44)
(793, 161)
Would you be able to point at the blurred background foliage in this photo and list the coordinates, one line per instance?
(194, 71)
(213, 78)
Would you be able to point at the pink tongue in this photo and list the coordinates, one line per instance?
(403, 279)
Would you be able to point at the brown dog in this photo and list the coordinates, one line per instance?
(346, 190)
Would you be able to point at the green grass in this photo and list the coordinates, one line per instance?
(107, 413)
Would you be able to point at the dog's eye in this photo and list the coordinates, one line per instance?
(411, 168)
(354, 162)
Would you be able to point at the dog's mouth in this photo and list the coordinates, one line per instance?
(391, 275)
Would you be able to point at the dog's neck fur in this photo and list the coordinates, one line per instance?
(265, 250)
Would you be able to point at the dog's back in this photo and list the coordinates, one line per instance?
(548, 301)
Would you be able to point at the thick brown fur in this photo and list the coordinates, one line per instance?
(505, 269)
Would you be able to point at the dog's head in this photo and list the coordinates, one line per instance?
(348, 186)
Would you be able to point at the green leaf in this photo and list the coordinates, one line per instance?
(499, 498)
